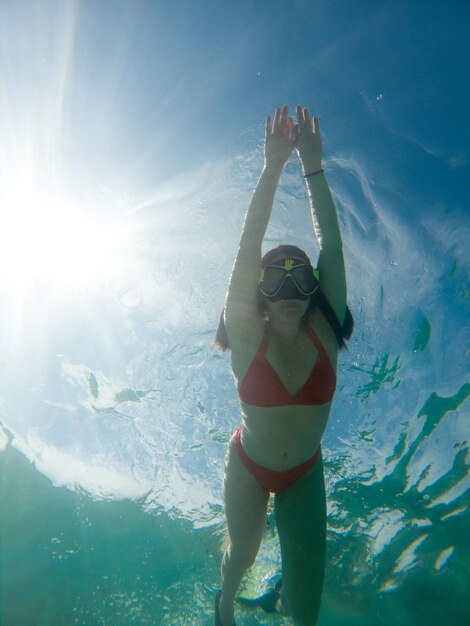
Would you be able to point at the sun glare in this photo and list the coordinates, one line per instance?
(47, 239)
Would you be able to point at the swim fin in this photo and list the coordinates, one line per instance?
(267, 601)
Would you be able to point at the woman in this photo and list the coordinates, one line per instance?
(284, 327)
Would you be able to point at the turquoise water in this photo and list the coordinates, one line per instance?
(131, 143)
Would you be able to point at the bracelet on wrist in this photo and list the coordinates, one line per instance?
(313, 173)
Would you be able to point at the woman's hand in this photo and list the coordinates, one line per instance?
(309, 143)
(281, 137)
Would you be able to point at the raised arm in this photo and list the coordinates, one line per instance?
(241, 303)
(325, 220)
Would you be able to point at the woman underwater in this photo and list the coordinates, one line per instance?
(284, 322)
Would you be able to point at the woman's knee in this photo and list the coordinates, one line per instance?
(243, 556)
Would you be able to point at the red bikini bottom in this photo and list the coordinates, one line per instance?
(272, 480)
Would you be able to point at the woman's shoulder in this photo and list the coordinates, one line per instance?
(245, 337)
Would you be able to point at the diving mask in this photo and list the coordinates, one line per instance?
(288, 279)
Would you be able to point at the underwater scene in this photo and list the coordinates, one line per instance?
(131, 142)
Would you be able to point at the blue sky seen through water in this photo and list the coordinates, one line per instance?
(159, 87)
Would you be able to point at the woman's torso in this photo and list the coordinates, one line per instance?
(280, 437)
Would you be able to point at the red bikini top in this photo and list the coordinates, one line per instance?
(263, 387)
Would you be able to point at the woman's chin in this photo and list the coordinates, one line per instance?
(290, 310)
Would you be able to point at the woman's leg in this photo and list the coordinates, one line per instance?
(301, 523)
(246, 505)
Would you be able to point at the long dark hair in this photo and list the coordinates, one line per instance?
(317, 301)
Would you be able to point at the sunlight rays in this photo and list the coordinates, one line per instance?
(45, 238)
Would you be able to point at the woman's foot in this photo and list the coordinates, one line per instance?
(224, 616)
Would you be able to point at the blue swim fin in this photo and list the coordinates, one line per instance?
(267, 601)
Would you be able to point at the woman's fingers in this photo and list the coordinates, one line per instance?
(269, 127)
(300, 114)
(305, 122)
(316, 125)
(277, 119)
(284, 121)
(291, 129)
(284, 113)
(282, 124)
(281, 117)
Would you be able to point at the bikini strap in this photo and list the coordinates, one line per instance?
(314, 337)
(263, 346)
